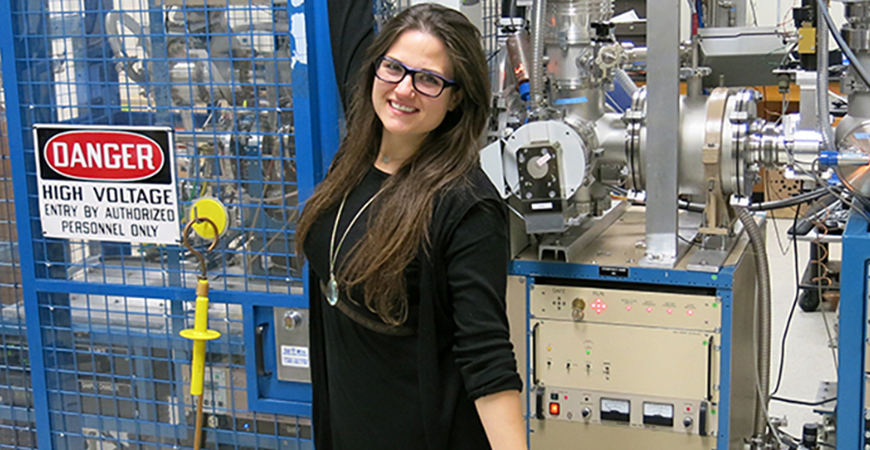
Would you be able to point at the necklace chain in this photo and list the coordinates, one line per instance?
(333, 250)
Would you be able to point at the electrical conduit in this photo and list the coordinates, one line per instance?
(756, 239)
(536, 74)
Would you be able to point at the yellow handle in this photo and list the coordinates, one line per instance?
(199, 334)
(200, 320)
(197, 371)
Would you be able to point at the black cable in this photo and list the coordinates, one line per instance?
(685, 240)
(839, 189)
(791, 201)
(764, 206)
(775, 227)
(793, 306)
(802, 402)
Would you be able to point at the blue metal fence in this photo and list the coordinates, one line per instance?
(245, 85)
(16, 395)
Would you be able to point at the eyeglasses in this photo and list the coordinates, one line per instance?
(427, 83)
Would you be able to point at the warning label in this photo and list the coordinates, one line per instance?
(292, 356)
(107, 183)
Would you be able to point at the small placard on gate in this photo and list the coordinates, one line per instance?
(292, 356)
(107, 183)
(613, 271)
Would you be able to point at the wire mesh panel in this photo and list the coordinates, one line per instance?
(220, 73)
(233, 82)
(125, 379)
(16, 395)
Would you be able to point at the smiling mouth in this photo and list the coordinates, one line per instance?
(402, 108)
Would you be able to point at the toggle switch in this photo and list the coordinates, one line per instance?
(577, 309)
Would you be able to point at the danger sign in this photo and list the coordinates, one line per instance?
(107, 183)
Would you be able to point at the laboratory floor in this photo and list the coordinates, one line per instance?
(809, 359)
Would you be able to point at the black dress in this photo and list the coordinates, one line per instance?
(415, 389)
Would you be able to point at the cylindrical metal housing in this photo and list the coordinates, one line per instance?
(693, 118)
(857, 24)
(691, 168)
(570, 22)
(587, 104)
(568, 37)
(734, 121)
(519, 51)
(565, 65)
(518, 48)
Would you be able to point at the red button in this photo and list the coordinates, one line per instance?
(554, 409)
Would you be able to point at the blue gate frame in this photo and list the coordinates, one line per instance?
(853, 416)
(106, 364)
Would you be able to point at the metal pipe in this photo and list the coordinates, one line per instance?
(536, 73)
(823, 118)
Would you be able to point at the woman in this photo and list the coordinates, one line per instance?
(408, 248)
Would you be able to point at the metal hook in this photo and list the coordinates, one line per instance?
(189, 246)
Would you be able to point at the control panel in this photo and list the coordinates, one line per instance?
(291, 344)
(642, 308)
(633, 360)
(656, 413)
(640, 359)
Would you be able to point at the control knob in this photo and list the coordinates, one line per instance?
(687, 422)
(586, 412)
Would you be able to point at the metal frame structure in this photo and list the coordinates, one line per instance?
(853, 415)
(105, 362)
(724, 282)
(17, 425)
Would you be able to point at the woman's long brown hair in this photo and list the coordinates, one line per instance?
(399, 222)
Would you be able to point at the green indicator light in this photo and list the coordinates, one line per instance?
(588, 352)
(705, 342)
(714, 277)
(715, 305)
(713, 411)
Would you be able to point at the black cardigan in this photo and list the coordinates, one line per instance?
(449, 382)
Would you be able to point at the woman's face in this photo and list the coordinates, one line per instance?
(408, 115)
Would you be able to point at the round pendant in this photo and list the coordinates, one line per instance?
(332, 291)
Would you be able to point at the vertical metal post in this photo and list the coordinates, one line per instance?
(852, 344)
(157, 71)
(324, 100)
(662, 142)
(22, 217)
